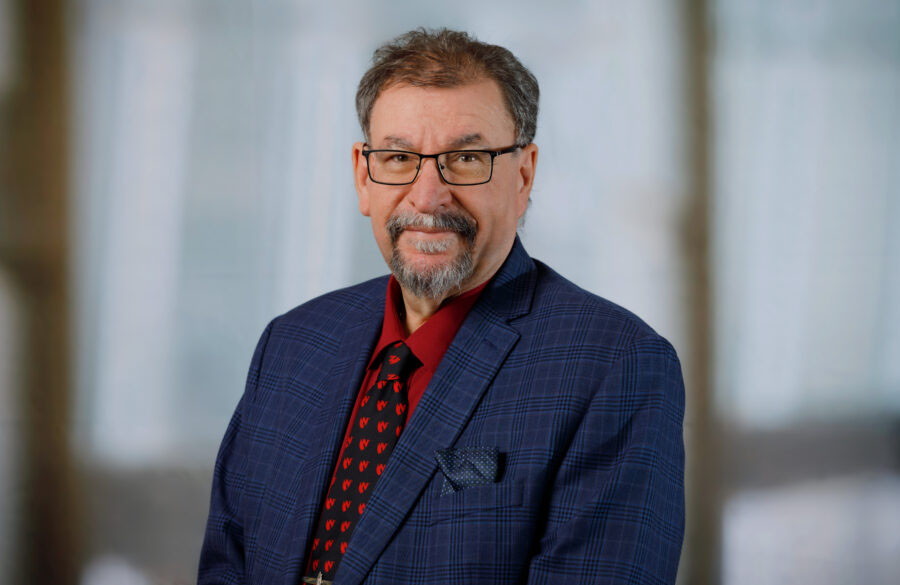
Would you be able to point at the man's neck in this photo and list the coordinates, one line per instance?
(417, 310)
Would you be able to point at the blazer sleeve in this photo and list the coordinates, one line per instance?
(616, 508)
(222, 554)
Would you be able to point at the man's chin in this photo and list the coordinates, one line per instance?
(434, 275)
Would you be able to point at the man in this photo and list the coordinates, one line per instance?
(474, 418)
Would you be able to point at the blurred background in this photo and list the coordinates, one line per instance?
(174, 173)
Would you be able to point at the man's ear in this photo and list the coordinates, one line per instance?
(361, 177)
(527, 166)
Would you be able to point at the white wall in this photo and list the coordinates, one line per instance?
(214, 187)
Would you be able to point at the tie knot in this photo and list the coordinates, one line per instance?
(398, 361)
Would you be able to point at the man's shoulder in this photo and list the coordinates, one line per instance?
(338, 306)
(562, 301)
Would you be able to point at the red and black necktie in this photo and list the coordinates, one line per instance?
(379, 421)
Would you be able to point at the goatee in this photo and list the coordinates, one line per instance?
(440, 281)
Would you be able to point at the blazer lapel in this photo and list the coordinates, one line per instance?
(471, 362)
(339, 393)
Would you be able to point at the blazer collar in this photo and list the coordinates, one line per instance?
(511, 290)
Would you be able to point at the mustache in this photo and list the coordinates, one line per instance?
(453, 221)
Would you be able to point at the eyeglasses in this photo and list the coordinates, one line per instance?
(456, 167)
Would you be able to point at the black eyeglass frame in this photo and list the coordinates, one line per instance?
(493, 154)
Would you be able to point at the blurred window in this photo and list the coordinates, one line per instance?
(214, 191)
(807, 276)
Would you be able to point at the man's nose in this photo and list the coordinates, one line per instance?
(429, 191)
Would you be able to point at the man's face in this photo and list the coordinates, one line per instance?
(425, 229)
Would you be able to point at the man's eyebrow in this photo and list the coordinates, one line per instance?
(467, 140)
(397, 142)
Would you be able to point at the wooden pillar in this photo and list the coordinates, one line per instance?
(702, 562)
(34, 238)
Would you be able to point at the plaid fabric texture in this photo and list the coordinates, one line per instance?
(582, 401)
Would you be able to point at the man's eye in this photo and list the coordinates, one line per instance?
(397, 158)
(465, 158)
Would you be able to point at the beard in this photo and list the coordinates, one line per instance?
(438, 281)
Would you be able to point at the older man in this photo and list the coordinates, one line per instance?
(474, 417)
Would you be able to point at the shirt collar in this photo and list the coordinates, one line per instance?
(430, 341)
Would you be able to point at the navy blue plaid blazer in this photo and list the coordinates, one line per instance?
(581, 401)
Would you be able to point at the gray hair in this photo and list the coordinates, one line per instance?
(448, 58)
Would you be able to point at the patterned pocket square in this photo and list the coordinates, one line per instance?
(467, 466)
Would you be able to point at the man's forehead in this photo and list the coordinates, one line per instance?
(468, 115)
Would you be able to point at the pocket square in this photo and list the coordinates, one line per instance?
(467, 466)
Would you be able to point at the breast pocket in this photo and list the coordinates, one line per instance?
(484, 499)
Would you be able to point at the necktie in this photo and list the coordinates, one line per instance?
(379, 421)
